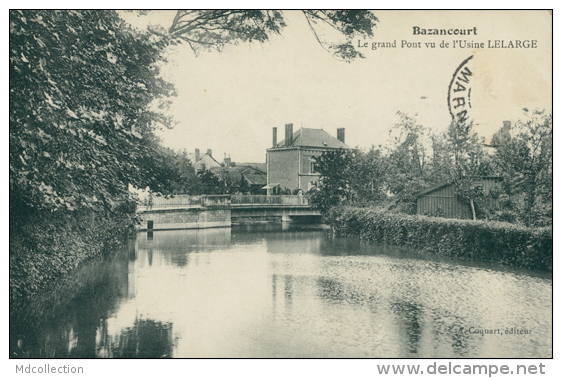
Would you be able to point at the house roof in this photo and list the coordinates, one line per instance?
(313, 138)
(259, 166)
(445, 183)
(207, 157)
(230, 173)
(252, 175)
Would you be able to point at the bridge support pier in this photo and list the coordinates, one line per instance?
(188, 218)
(285, 217)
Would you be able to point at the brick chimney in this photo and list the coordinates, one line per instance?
(288, 134)
(197, 155)
(341, 134)
(226, 161)
(209, 152)
(274, 137)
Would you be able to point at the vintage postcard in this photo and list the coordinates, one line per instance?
(281, 184)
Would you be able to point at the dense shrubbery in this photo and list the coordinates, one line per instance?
(51, 245)
(484, 241)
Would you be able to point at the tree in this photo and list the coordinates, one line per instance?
(175, 175)
(334, 185)
(369, 176)
(210, 183)
(469, 163)
(82, 86)
(212, 29)
(407, 169)
(441, 166)
(527, 158)
(228, 185)
(243, 186)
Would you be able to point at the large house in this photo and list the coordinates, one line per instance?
(291, 162)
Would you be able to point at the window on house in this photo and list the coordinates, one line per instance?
(312, 165)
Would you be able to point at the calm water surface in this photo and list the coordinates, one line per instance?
(276, 291)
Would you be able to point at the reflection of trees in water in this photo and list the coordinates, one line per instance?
(449, 329)
(175, 246)
(446, 329)
(288, 290)
(330, 290)
(283, 243)
(146, 339)
(460, 341)
(410, 314)
(336, 246)
(63, 323)
(279, 237)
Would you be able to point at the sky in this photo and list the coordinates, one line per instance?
(230, 101)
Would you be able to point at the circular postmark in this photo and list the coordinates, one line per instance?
(460, 90)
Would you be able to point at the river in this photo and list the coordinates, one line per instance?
(273, 290)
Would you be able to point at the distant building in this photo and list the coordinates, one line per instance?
(259, 166)
(291, 162)
(442, 199)
(502, 136)
(254, 178)
(203, 162)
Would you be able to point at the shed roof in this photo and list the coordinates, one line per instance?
(445, 183)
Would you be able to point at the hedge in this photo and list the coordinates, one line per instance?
(486, 241)
(50, 248)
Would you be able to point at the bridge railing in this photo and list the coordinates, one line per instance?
(241, 200)
(185, 201)
(221, 200)
(188, 201)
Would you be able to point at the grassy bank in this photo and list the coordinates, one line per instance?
(49, 247)
(484, 241)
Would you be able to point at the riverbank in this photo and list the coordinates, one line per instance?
(49, 247)
(484, 241)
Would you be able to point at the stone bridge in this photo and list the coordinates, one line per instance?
(206, 211)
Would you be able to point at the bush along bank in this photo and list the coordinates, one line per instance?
(485, 241)
(49, 247)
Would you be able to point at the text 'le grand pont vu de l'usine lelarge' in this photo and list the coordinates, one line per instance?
(460, 43)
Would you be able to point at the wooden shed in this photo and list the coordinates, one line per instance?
(443, 199)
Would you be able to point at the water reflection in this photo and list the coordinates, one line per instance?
(410, 316)
(265, 291)
(64, 323)
(146, 339)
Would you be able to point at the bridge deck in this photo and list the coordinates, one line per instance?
(225, 202)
